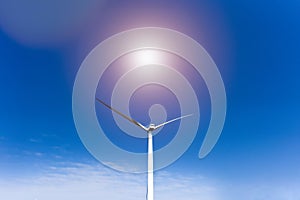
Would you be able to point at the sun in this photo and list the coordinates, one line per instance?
(147, 57)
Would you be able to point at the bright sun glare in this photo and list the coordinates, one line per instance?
(147, 57)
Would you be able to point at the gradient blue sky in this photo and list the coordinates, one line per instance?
(255, 44)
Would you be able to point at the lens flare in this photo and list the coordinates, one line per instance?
(148, 67)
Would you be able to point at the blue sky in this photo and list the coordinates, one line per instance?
(256, 46)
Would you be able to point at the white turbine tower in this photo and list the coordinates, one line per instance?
(149, 130)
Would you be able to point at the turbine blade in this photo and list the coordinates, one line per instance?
(172, 120)
(124, 116)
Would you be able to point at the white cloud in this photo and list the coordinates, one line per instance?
(33, 140)
(275, 190)
(75, 181)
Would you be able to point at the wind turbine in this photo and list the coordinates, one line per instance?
(149, 130)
